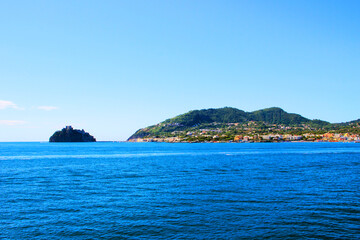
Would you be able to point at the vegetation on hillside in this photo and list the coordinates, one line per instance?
(228, 122)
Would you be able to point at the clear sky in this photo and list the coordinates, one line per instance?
(112, 67)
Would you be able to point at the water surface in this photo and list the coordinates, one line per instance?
(167, 191)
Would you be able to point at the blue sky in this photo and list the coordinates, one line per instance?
(112, 67)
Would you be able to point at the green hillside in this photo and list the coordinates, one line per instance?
(277, 116)
(225, 119)
(221, 115)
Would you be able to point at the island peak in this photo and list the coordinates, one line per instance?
(69, 134)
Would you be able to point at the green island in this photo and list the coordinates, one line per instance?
(233, 125)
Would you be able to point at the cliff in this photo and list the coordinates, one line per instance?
(69, 134)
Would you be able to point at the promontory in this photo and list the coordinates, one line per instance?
(233, 125)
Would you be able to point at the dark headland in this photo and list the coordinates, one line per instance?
(68, 134)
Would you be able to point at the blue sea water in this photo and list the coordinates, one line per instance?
(179, 191)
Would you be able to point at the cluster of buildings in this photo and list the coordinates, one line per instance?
(168, 139)
(327, 137)
(337, 137)
(253, 132)
(309, 137)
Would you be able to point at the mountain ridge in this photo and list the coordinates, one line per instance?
(226, 115)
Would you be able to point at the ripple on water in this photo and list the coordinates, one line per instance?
(235, 191)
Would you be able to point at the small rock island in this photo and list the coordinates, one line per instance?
(68, 134)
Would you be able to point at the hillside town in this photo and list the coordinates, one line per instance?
(255, 132)
(308, 137)
(234, 125)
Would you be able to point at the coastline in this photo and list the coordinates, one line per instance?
(241, 142)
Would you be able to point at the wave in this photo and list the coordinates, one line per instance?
(164, 154)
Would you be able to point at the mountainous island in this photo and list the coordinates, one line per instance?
(234, 125)
(68, 134)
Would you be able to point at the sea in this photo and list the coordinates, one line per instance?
(119, 190)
